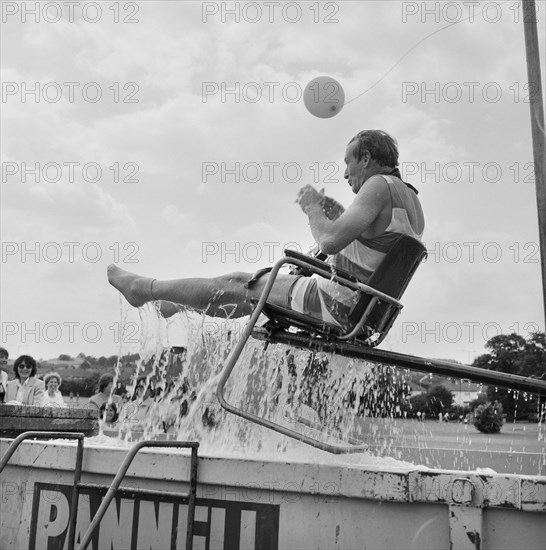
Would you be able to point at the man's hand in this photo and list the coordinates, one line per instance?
(308, 196)
(332, 208)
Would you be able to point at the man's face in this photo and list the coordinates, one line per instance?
(3, 363)
(356, 170)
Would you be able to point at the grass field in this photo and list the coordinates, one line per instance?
(520, 448)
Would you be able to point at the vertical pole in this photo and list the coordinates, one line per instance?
(191, 499)
(536, 106)
(75, 496)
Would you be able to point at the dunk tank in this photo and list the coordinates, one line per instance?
(193, 475)
(277, 433)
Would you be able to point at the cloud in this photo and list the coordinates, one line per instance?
(181, 222)
(153, 153)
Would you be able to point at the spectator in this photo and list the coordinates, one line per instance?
(106, 384)
(143, 400)
(53, 397)
(109, 413)
(26, 389)
(4, 356)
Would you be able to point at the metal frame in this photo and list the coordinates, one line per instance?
(412, 362)
(340, 279)
(77, 470)
(115, 485)
(341, 345)
(248, 330)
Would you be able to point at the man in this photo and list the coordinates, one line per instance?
(356, 239)
(104, 394)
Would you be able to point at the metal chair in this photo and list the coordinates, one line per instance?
(369, 322)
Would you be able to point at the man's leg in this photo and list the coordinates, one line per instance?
(224, 296)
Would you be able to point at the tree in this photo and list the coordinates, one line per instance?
(480, 400)
(83, 385)
(514, 354)
(438, 399)
(488, 418)
(64, 357)
(418, 403)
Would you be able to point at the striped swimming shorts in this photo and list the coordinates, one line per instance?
(323, 299)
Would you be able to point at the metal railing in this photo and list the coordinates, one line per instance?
(77, 470)
(115, 485)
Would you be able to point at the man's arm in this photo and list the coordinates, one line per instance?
(334, 235)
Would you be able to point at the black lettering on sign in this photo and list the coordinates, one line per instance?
(155, 521)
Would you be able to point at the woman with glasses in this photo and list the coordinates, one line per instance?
(25, 389)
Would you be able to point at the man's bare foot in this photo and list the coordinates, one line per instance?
(137, 290)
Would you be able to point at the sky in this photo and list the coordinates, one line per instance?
(171, 138)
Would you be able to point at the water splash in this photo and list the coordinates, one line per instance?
(324, 396)
(329, 398)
